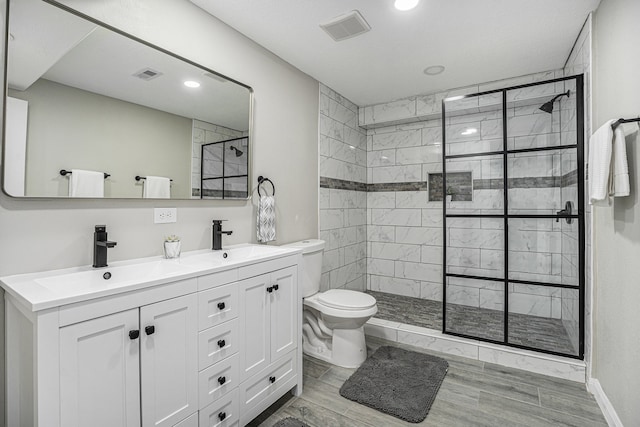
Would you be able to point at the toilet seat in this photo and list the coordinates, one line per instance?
(341, 309)
(346, 300)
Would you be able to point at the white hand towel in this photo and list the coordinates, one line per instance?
(266, 220)
(600, 148)
(86, 183)
(157, 187)
(619, 183)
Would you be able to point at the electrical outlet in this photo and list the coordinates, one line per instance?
(165, 215)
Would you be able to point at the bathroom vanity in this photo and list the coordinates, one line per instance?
(211, 339)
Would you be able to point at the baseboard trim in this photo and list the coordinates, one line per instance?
(607, 408)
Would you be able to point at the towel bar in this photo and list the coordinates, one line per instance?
(138, 178)
(64, 172)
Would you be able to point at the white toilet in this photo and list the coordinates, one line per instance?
(333, 321)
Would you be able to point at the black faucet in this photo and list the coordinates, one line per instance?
(100, 246)
(217, 234)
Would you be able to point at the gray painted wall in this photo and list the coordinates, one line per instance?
(617, 228)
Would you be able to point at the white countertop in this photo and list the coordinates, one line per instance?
(54, 288)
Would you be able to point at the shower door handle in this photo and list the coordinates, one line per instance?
(568, 210)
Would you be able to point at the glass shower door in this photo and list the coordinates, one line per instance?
(514, 248)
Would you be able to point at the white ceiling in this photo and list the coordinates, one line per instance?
(476, 40)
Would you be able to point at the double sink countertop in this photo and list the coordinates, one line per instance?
(47, 289)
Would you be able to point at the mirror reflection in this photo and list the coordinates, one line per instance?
(85, 99)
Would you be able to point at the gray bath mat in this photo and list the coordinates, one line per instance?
(397, 382)
(290, 422)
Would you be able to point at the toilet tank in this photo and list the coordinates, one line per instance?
(312, 250)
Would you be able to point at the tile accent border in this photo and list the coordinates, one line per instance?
(340, 184)
(555, 366)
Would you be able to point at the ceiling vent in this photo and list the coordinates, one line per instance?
(346, 26)
(147, 74)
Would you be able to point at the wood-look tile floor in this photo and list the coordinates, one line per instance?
(473, 393)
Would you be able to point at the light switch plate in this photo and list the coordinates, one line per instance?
(165, 215)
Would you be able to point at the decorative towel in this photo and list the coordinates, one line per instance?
(157, 187)
(266, 219)
(619, 182)
(600, 149)
(86, 183)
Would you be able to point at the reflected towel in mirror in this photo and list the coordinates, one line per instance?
(83, 183)
(157, 187)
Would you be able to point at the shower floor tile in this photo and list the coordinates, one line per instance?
(530, 331)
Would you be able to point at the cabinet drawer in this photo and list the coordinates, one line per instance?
(217, 343)
(217, 305)
(217, 279)
(221, 413)
(217, 380)
(262, 385)
(191, 421)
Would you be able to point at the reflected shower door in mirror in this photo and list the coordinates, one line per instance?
(223, 169)
(84, 96)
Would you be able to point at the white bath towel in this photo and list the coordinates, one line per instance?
(619, 182)
(157, 187)
(86, 183)
(266, 220)
(600, 148)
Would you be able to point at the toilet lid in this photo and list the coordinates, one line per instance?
(342, 298)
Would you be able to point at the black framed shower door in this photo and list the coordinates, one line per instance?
(514, 256)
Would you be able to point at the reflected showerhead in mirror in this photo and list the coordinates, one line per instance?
(547, 107)
(238, 151)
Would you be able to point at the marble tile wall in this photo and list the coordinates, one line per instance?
(343, 196)
(204, 133)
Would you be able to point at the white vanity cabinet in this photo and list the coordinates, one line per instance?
(140, 362)
(212, 347)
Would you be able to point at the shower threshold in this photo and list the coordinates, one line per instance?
(403, 330)
(526, 330)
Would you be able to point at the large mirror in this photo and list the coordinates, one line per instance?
(93, 112)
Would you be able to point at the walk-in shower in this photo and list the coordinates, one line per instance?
(511, 185)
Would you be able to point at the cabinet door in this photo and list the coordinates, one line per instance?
(283, 311)
(99, 372)
(169, 360)
(254, 325)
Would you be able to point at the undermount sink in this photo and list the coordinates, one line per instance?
(111, 277)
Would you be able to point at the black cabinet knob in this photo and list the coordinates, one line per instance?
(222, 380)
(270, 289)
(222, 416)
(149, 330)
(221, 306)
(221, 343)
(134, 334)
(272, 379)
(275, 287)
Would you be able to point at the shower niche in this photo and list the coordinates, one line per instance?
(514, 255)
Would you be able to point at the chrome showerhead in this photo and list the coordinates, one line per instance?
(238, 151)
(547, 107)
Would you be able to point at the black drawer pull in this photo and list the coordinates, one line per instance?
(134, 334)
(270, 289)
(221, 343)
(222, 416)
(149, 330)
(221, 306)
(275, 287)
(222, 380)
(272, 379)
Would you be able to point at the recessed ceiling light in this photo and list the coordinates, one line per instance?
(406, 4)
(191, 83)
(434, 70)
(469, 131)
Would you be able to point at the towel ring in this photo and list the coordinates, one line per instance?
(261, 180)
